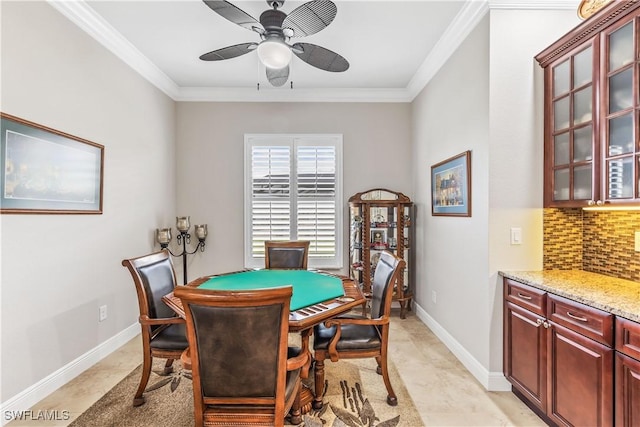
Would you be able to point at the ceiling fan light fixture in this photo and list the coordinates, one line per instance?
(274, 54)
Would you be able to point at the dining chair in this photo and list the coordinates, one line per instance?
(286, 254)
(163, 333)
(359, 336)
(244, 372)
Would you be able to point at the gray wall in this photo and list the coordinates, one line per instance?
(210, 143)
(58, 269)
(487, 98)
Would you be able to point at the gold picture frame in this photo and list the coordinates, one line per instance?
(46, 171)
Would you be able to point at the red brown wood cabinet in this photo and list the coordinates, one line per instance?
(627, 393)
(558, 356)
(591, 111)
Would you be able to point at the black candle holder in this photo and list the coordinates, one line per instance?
(163, 237)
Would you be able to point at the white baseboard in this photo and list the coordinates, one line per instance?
(38, 391)
(492, 381)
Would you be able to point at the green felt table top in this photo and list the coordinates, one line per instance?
(308, 287)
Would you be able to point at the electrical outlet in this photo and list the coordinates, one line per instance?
(637, 241)
(433, 296)
(103, 313)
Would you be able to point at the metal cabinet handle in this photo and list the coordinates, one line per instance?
(527, 297)
(543, 323)
(573, 316)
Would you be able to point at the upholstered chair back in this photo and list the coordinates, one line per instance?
(286, 254)
(244, 373)
(382, 285)
(233, 344)
(158, 279)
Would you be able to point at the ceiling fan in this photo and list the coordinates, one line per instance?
(275, 29)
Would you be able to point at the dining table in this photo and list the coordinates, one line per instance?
(317, 296)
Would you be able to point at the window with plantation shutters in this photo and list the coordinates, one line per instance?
(293, 192)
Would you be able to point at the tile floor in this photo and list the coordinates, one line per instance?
(444, 392)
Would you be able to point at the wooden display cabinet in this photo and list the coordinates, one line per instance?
(380, 220)
(592, 111)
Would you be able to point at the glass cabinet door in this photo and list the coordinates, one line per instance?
(572, 130)
(621, 128)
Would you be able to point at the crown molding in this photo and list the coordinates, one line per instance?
(472, 12)
(267, 94)
(465, 21)
(93, 24)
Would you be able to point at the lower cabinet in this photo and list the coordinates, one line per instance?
(627, 367)
(558, 356)
(580, 371)
(627, 391)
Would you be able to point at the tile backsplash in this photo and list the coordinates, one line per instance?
(596, 241)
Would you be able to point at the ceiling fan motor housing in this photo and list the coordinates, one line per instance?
(272, 20)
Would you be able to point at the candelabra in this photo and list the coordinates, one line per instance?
(163, 236)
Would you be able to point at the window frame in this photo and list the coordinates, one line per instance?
(293, 141)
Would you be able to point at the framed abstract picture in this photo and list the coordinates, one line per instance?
(48, 171)
(451, 186)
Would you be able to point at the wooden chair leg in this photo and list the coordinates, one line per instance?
(138, 399)
(392, 400)
(318, 379)
(168, 367)
(296, 412)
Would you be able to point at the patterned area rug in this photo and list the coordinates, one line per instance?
(355, 397)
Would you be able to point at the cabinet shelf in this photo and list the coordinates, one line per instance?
(381, 220)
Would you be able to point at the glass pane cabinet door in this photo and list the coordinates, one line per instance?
(622, 113)
(573, 139)
(592, 111)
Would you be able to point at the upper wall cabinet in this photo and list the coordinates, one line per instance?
(592, 111)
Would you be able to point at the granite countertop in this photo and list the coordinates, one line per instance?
(618, 296)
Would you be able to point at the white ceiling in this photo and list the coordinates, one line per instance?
(393, 47)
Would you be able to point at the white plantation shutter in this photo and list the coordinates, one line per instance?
(316, 208)
(292, 193)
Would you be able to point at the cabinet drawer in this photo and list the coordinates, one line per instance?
(525, 296)
(588, 321)
(628, 337)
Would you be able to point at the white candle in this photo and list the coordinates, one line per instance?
(201, 231)
(182, 223)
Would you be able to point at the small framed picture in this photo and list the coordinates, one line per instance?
(378, 237)
(451, 186)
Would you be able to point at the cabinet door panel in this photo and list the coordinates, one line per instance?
(627, 391)
(580, 380)
(525, 349)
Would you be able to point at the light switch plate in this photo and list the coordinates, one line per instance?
(516, 235)
(637, 241)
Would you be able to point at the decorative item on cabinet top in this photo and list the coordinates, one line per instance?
(589, 7)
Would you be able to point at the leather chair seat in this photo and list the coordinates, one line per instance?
(353, 337)
(173, 337)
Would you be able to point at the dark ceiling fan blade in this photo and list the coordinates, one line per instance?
(234, 14)
(229, 52)
(310, 18)
(320, 57)
(278, 77)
